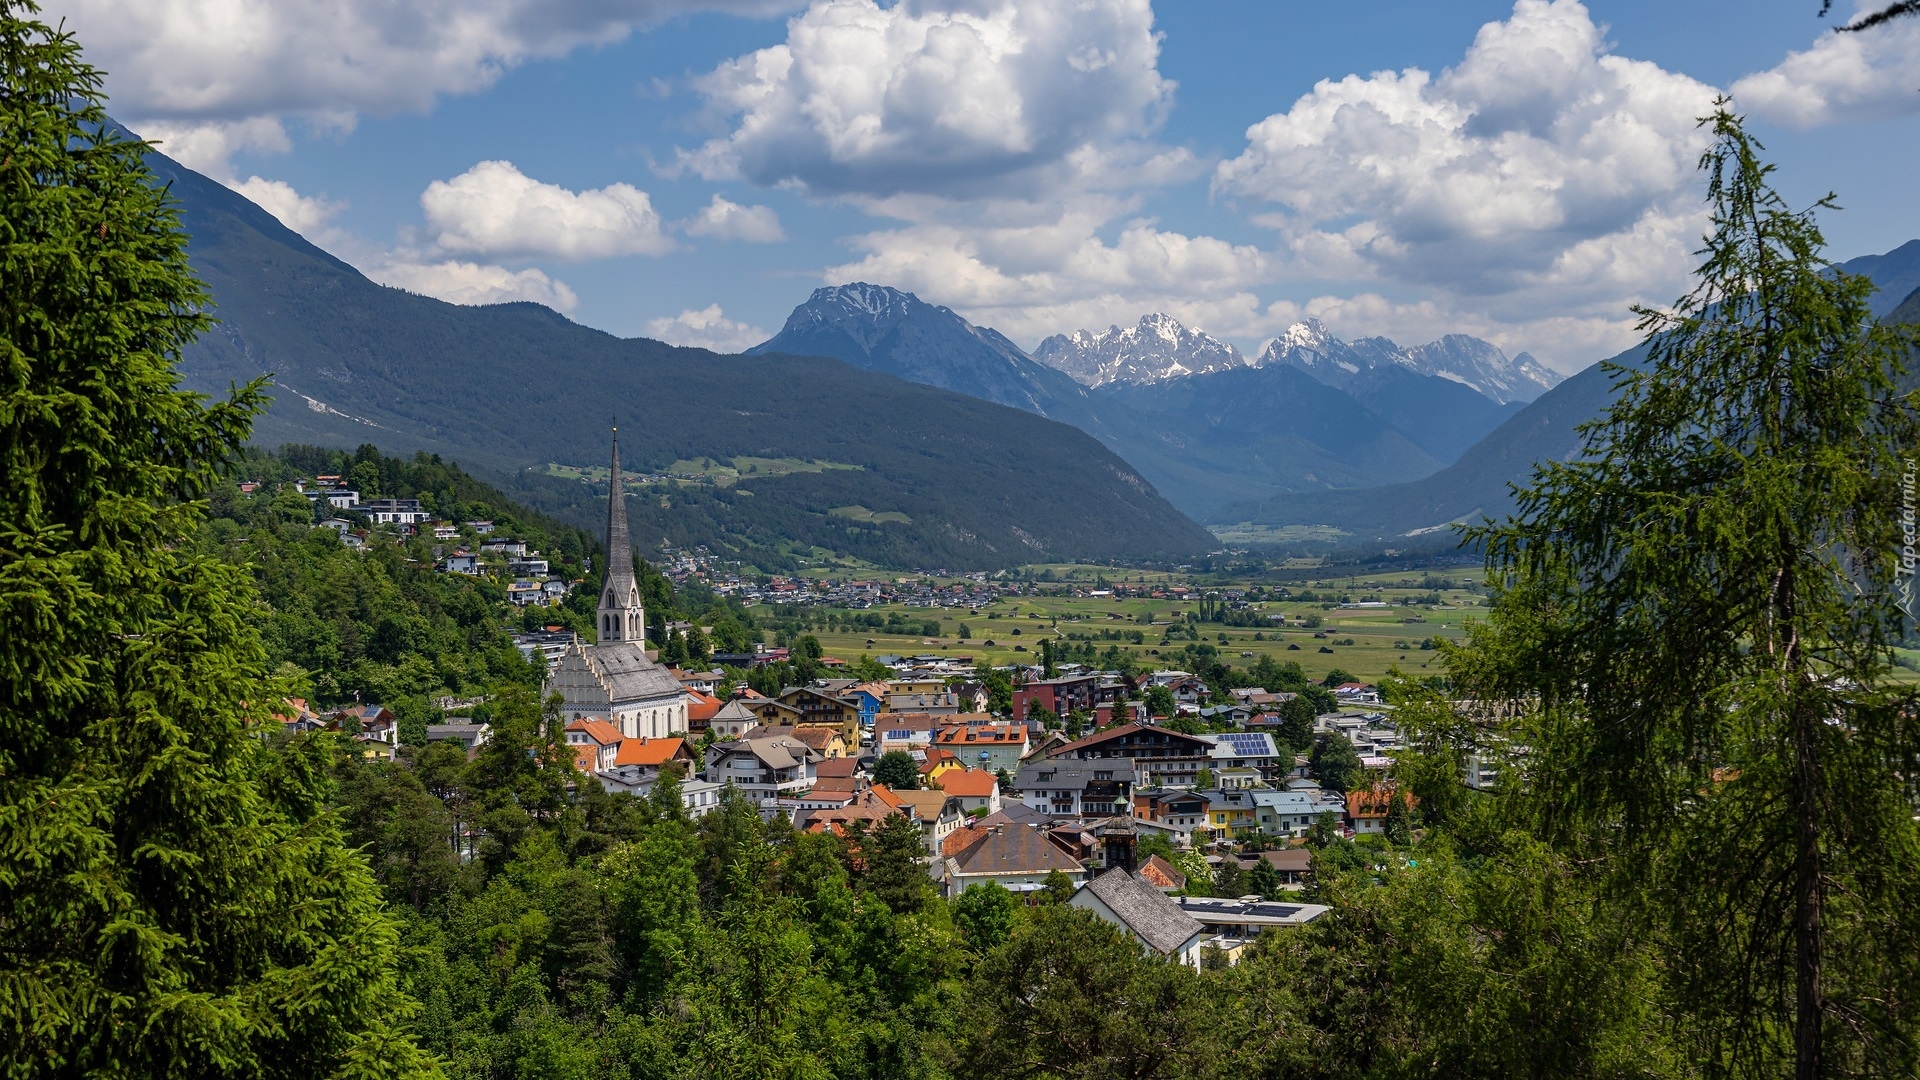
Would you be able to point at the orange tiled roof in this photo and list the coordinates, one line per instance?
(1162, 874)
(982, 735)
(968, 783)
(597, 729)
(645, 751)
(586, 757)
(701, 707)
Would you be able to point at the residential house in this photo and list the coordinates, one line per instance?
(905, 731)
(937, 704)
(816, 707)
(935, 763)
(462, 562)
(762, 768)
(1357, 693)
(701, 708)
(298, 718)
(468, 734)
(1018, 858)
(1367, 809)
(1286, 813)
(1179, 808)
(1239, 921)
(1230, 812)
(985, 746)
(394, 511)
(977, 789)
(1293, 864)
(1074, 788)
(657, 753)
(1058, 696)
(596, 744)
(1137, 906)
(937, 812)
(771, 711)
(973, 696)
(1135, 742)
(503, 545)
(825, 742)
(522, 593)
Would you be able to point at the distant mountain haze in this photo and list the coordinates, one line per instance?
(1479, 484)
(809, 452)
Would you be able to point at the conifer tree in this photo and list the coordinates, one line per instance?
(1698, 615)
(173, 900)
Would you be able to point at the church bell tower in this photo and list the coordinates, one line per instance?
(622, 618)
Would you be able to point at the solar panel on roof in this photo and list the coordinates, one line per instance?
(1245, 742)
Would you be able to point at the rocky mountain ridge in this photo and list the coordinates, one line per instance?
(1159, 347)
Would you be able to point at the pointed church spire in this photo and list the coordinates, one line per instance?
(621, 616)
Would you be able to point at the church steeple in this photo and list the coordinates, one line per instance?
(622, 618)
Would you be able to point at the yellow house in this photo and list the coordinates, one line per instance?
(1230, 811)
(815, 707)
(916, 686)
(938, 763)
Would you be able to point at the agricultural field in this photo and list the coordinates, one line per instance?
(715, 471)
(1320, 635)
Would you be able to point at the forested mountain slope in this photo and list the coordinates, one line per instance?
(956, 481)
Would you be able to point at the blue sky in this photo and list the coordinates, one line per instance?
(690, 169)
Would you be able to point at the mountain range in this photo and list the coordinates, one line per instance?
(877, 426)
(1480, 483)
(1156, 349)
(1207, 428)
(1469, 361)
(800, 455)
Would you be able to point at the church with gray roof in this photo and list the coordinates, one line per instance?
(613, 679)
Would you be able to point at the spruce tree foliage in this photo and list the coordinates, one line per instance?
(173, 900)
(1698, 614)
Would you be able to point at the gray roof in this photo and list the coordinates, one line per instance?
(775, 752)
(628, 674)
(1145, 910)
(1014, 849)
(734, 712)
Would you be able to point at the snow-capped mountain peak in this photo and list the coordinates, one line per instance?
(1157, 347)
(1459, 358)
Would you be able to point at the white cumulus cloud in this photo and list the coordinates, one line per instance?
(494, 209)
(725, 220)
(1841, 77)
(1540, 159)
(1036, 277)
(707, 328)
(459, 282)
(307, 215)
(926, 96)
(225, 60)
